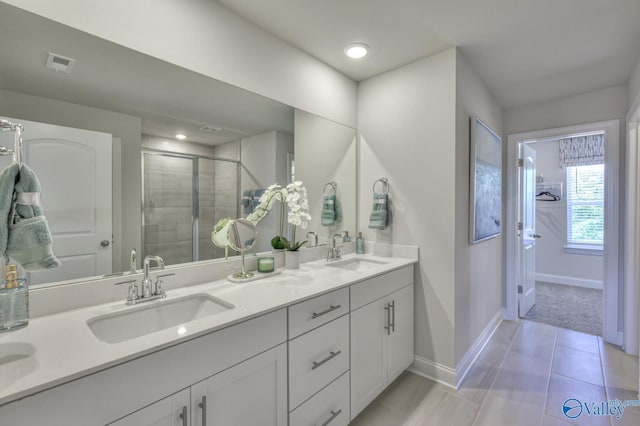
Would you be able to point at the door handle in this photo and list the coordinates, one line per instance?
(536, 236)
(183, 416)
(105, 243)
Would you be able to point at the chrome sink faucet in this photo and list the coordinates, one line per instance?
(315, 238)
(334, 251)
(148, 291)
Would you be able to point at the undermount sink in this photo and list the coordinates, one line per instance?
(356, 264)
(143, 320)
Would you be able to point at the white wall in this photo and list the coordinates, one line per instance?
(179, 147)
(125, 127)
(634, 85)
(260, 157)
(204, 36)
(406, 121)
(325, 152)
(478, 267)
(552, 261)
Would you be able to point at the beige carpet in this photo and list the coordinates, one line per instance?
(575, 308)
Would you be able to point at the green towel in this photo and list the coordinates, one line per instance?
(7, 184)
(329, 216)
(379, 218)
(29, 239)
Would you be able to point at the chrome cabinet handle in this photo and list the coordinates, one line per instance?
(334, 414)
(326, 311)
(393, 316)
(387, 325)
(203, 405)
(183, 415)
(329, 358)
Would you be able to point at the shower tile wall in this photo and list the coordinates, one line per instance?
(168, 198)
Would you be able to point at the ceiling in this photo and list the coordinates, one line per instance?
(525, 51)
(112, 77)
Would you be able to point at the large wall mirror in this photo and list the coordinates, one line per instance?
(102, 139)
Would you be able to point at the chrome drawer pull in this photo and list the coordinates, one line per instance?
(388, 319)
(183, 416)
(393, 316)
(203, 405)
(326, 311)
(334, 414)
(329, 358)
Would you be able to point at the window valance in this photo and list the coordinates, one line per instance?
(582, 150)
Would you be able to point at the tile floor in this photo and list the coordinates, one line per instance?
(522, 377)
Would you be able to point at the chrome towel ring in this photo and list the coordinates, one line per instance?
(385, 185)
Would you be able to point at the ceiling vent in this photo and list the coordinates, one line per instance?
(60, 63)
(210, 129)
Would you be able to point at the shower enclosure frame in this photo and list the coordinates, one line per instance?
(195, 210)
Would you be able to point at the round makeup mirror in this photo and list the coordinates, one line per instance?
(241, 236)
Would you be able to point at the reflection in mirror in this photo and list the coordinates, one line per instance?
(159, 195)
(241, 237)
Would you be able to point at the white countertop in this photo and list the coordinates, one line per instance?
(56, 349)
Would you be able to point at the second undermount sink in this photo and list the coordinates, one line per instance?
(356, 264)
(143, 320)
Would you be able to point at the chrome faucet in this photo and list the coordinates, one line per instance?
(132, 263)
(334, 251)
(147, 290)
(315, 238)
(146, 281)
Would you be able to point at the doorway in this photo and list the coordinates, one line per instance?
(514, 254)
(567, 209)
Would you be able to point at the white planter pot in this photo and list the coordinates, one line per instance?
(292, 259)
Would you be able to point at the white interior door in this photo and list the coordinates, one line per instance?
(74, 168)
(527, 231)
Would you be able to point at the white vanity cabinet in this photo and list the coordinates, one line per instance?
(381, 334)
(170, 411)
(245, 363)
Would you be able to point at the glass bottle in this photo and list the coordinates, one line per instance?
(360, 244)
(14, 301)
(346, 238)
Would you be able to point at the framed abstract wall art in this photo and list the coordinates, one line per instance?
(485, 171)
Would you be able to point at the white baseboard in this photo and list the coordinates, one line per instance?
(434, 371)
(474, 351)
(577, 282)
(453, 377)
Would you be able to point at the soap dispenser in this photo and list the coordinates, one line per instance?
(14, 301)
(360, 244)
(346, 238)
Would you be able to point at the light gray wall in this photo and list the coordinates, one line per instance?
(634, 85)
(325, 152)
(175, 146)
(478, 267)
(551, 223)
(204, 36)
(406, 122)
(125, 127)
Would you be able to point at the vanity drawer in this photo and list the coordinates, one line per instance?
(328, 407)
(374, 288)
(320, 310)
(316, 359)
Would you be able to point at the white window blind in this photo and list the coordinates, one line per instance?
(585, 205)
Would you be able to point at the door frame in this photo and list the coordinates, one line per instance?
(612, 289)
(632, 229)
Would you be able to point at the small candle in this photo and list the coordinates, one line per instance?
(266, 264)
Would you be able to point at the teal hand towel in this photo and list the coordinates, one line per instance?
(29, 240)
(7, 184)
(328, 216)
(379, 218)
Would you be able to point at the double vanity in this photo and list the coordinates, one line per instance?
(312, 346)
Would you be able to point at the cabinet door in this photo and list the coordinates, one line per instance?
(400, 341)
(368, 354)
(252, 393)
(170, 411)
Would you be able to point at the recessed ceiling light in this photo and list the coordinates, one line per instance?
(181, 137)
(356, 50)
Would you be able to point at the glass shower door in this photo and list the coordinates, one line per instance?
(168, 220)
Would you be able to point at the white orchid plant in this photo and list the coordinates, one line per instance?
(295, 197)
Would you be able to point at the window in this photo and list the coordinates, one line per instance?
(585, 206)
